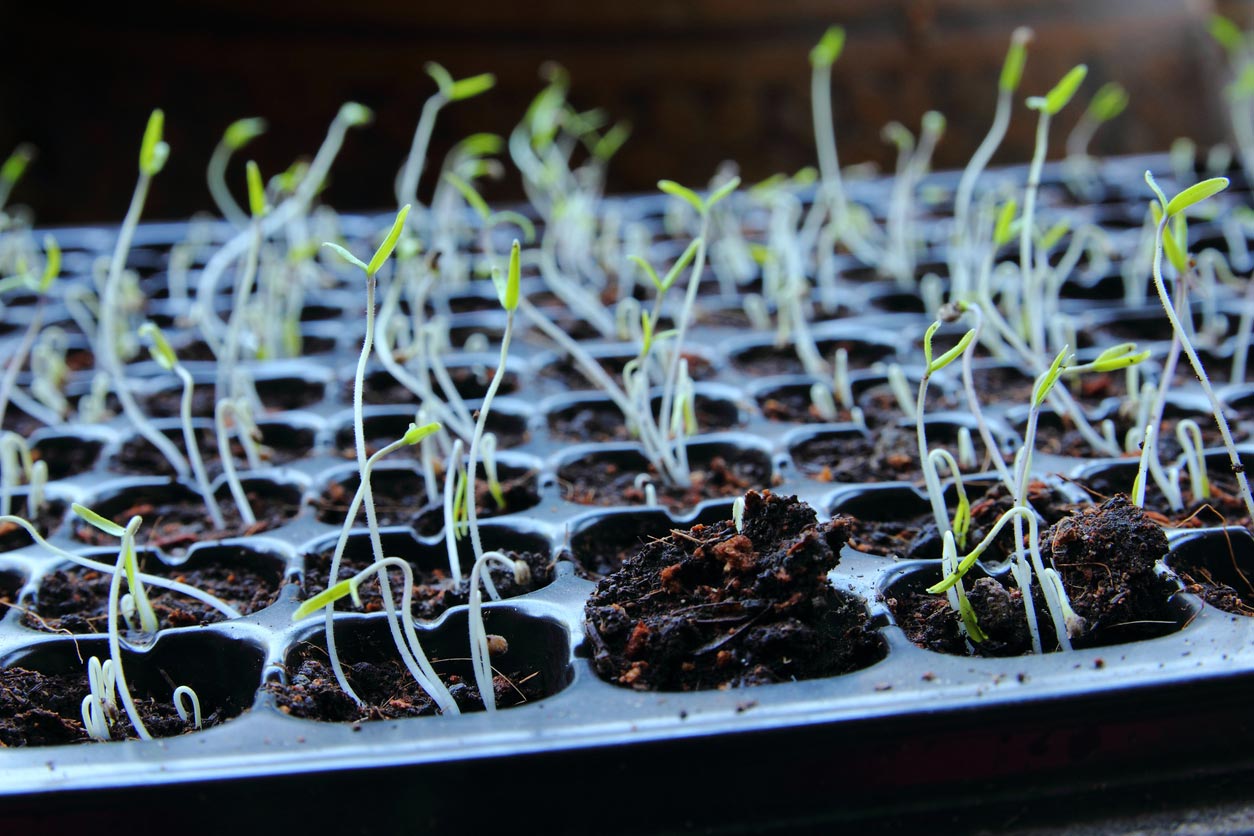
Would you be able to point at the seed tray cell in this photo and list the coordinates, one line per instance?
(1014, 726)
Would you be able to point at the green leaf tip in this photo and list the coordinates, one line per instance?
(416, 433)
(324, 598)
(106, 525)
(161, 350)
(1003, 230)
(153, 152)
(1118, 357)
(1225, 32)
(355, 115)
(382, 254)
(16, 163)
(256, 190)
(1046, 381)
(469, 194)
(470, 87)
(829, 47)
(722, 192)
(345, 254)
(1109, 101)
(243, 131)
(52, 263)
(508, 288)
(1195, 194)
(455, 91)
(1056, 99)
(950, 355)
(1016, 57)
(611, 141)
(684, 193)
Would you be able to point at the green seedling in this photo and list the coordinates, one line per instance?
(964, 252)
(1047, 106)
(13, 168)
(479, 642)
(414, 435)
(165, 357)
(301, 187)
(1186, 199)
(238, 134)
(508, 290)
(99, 708)
(931, 365)
(448, 90)
(152, 157)
(17, 462)
(407, 643)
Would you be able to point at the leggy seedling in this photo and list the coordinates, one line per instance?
(238, 134)
(165, 357)
(507, 289)
(152, 157)
(1182, 201)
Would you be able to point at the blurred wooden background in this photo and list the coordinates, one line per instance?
(701, 81)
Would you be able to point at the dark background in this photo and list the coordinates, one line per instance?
(700, 80)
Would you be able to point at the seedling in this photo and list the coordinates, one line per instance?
(964, 253)
(479, 642)
(165, 357)
(238, 134)
(448, 90)
(16, 463)
(1047, 106)
(407, 643)
(152, 157)
(1168, 209)
(507, 289)
(931, 365)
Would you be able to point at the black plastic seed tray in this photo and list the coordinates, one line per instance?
(914, 732)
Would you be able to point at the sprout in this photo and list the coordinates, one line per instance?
(99, 708)
(185, 692)
(1189, 434)
(152, 157)
(164, 356)
(404, 633)
(1182, 201)
(479, 645)
(238, 134)
(13, 168)
(414, 435)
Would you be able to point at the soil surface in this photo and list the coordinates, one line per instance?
(39, 709)
(434, 590)
(772, 360)
(602, 421)
(470, 382)
(918, 538)
(713, 608)
(174, 526)
(400, 498)
(1199, 578)
(279, 445)
(568, 374)
(929, 622)
(49, 517)
(66, 456)
(1224, 506)
(595, 481)
(887, 454)
(387, 688)
(76, 600)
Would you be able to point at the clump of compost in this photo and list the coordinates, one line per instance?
(713, 607)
